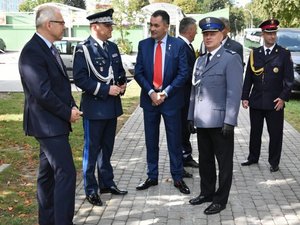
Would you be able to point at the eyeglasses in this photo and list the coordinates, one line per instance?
(59, 22)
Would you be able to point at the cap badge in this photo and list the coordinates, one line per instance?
(207, 20)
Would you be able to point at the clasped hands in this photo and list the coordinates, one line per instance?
(157, 98)
(116, 90)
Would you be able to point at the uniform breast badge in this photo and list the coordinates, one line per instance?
(275, 69)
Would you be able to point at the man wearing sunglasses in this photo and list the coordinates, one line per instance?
(98, 71)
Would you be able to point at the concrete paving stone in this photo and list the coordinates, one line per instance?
(92, 219)
(105, 222)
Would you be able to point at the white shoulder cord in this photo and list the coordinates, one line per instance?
(90, 65)
(194, 82)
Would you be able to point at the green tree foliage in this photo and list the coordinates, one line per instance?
(187, 6)
(236, 20)
(212, 5)
(287, 12)
(157, 1)
(29, 5)
(76, 3)
(125, 17)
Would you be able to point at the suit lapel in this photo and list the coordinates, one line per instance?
(167, 55)
(215, 59)
(48, 52)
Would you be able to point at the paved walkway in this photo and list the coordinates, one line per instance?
(257, 196)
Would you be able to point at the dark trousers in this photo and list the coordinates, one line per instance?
(56, 181)
(211, 144)
(173, 131)
(99, 139)
(274, 121)
(185, 135)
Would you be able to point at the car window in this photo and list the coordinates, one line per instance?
(289, 40)
(61, 46)
(73, 46)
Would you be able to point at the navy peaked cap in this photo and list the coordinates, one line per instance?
(102, 17)
(211, 24)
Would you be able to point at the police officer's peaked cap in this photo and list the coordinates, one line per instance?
(270, 25)
(102, 17)
(211, 24)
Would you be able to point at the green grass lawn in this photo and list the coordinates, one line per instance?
(18, 183)
(18, 204)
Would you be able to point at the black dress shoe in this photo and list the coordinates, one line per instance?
(274, 169)
(114, 190)
(94, 199)
(248, 163)
(186, 174)
(200, 199)
(182, 187)
(146, 184)
(191, 163)
(214, 208)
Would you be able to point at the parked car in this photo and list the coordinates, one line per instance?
(2, 46)
(288, 38)
(66, 49)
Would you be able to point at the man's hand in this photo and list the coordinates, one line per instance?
(123, 88)
(157, 98)
(114, 90)
(75, 115)
(227, 130)
(245, 104)
(279, 104)
(192, 129)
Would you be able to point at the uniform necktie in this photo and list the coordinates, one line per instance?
(57, 57)
(268, 51)
(105, 48)
(157, 76)
(208, 58)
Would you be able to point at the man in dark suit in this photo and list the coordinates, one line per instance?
(214, 106)
(228, 43)
(161, 71)
(267, 86)
(48, 112)
(98, 71)
(187, 33)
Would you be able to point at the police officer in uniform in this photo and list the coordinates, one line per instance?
(213, 110)
(267, 86)
(98, 71)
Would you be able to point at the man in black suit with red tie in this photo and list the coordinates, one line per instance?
(49, 111)
(187, 33)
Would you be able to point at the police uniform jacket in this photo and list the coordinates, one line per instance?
(276, 80)
(96, 103)
(216, 90)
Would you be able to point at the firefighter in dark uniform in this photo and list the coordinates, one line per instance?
(267, 86)
(98, 71)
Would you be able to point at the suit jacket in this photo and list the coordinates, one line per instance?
(234, 46)
(275, 82)
(175, 73)
(216, 90)
(48, 98)
(96, 103)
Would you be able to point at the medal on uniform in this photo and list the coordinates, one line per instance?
(101, 69)
(275, 69)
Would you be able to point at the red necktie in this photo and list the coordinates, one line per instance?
(157, 77)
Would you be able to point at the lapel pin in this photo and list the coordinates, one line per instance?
(169, 46)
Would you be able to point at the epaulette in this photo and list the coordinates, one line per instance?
(230, 51)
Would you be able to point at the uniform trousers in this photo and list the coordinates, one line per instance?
(99, 139)
(56, 181)
(274, 120)
(173, 131)
(212, 144)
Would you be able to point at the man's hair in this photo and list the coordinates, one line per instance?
(185, 23)
(226, 22)
(164, 15)
(45, 13)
